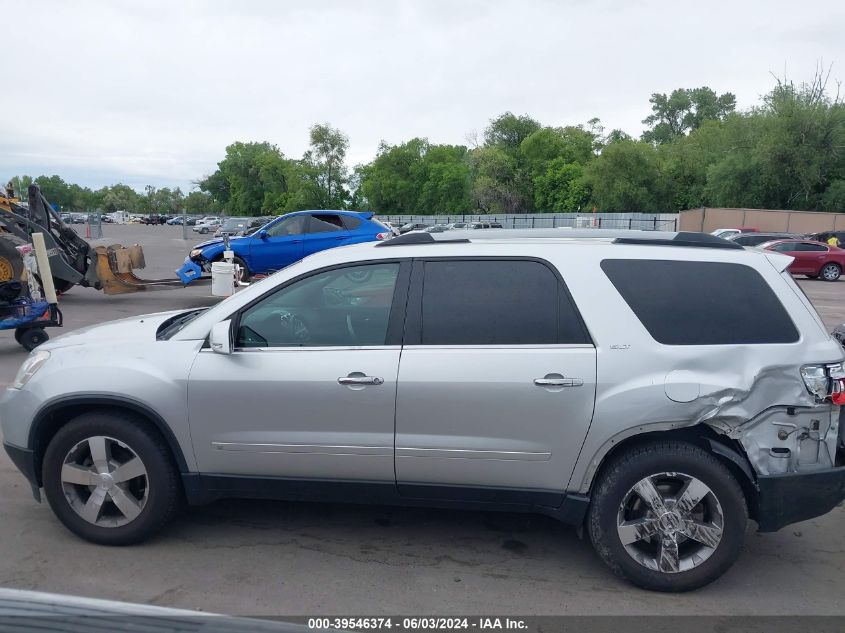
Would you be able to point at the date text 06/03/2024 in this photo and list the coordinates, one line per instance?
(418, 623)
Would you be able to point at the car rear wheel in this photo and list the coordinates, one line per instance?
(109, 479)
(830, 272)
(667, 517)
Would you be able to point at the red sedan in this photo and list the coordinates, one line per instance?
(814, 259)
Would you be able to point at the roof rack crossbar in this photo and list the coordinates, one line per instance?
(682, 238)
(417, 238)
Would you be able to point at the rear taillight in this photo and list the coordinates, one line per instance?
(383, 236)
(825, 381)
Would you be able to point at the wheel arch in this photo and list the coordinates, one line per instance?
(729, 452)
(56, 414)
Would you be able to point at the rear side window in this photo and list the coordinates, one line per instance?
(803, 246)
(701, 303)
(496, 302)
(325, 223)
(351, 222)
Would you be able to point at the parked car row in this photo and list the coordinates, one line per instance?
(439, 228)
(812, 255)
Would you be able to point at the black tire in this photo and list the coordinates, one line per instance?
(830, 272)
(162, 485)
(62, 285)
(11, 261)
(245, 274)
(640, 462)
(31, 337)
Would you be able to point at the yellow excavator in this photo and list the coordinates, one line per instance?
(73, 261)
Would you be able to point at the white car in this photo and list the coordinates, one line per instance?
(655, 389)
(207, 227)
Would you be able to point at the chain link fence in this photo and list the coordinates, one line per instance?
(639, 221)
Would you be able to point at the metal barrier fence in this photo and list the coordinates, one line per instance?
(640, 221)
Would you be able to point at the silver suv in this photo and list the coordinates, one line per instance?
(656, 388)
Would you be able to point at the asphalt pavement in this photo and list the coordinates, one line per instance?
(274, 558)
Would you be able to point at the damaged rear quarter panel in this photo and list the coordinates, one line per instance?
(751, 393)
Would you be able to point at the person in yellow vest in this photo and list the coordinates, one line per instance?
(833, 241)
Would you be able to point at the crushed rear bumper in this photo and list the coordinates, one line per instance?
(794, 497)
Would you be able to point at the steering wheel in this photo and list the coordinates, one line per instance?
(334, 296)
(294, 327)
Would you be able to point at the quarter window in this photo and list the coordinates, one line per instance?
(325, 223)
(701, 303)
(342, 307)
(351, 222)
(496, 302)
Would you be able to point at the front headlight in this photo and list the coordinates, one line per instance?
(195, 253)
(30, 366)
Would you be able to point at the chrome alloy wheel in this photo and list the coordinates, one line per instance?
(670, 522)
(831, 272)
(104, 481)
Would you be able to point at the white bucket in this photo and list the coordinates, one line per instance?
(222, 279)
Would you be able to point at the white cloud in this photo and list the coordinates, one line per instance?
(153, 91)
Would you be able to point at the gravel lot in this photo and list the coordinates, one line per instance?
(262, 558)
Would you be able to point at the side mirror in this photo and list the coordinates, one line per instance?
(221, 337)
(262, 234)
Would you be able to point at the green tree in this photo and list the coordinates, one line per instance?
(562, 187)
(324, 170)
(446, 181)
(834, 197)
(572, 144)
(498, 182)
(627, 176)
(417, 177)
(120, 197)
(684, 110)
(250, 180)
(200, 203)
(507, 131)
(55, 190)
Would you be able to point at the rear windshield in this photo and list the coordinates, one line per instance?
(701, 303)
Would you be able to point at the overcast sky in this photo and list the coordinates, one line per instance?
(142, 91)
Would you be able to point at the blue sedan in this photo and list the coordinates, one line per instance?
(285, 240)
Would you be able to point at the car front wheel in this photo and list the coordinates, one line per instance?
(109, 479)
(667, 516)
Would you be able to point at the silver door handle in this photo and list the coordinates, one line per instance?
(360, 380)
(559, 382)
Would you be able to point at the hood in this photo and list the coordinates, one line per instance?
(218, 240)
(137, 328)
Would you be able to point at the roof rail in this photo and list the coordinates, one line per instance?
(417, 238)
(645, 238)
(682, 238)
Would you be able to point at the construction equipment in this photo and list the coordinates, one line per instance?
(72, 260)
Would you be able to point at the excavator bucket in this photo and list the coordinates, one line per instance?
(115, 266)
